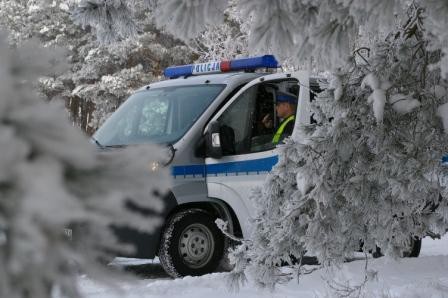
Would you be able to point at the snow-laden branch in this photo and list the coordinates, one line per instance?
(52, 179)
(187, 18)
(112, 19)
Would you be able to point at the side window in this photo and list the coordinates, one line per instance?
(236, 122)
(243, 125)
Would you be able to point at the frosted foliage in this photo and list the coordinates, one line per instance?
(377, 15)
(274, 24)
(294, 30)
(378, 97)
(213, 45)
(52, 178)
(125, 65)
(352, 177)
(336, 85)
(403, 103)
(437, 22)
(110, 74)
(186, 18)
(225, 41)
(106, 79)
(299, 29)
(325, 30)
(112, 19)
(442, 112)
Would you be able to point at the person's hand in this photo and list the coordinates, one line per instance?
(267, 121)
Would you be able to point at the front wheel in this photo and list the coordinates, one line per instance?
(191, 244)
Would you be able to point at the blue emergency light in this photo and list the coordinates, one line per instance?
(242, 64)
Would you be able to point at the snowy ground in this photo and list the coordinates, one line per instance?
(426, 276)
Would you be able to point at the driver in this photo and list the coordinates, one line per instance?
(285, 106)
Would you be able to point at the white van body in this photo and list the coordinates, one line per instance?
(206, 185)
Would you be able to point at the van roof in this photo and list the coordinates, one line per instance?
(227, 78)
(221, 78)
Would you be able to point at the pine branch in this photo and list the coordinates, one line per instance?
(346, 290)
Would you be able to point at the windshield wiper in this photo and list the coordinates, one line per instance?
(98, 143)
(115, 146)
(101, 146)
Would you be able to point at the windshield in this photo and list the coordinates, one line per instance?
(161, 115)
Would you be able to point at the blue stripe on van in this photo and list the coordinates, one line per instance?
(234, 168)
(188, 170)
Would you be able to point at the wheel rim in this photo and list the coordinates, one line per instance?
(196, 245)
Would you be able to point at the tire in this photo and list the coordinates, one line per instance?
(191, 244)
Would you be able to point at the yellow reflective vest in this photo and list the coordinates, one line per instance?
(281, 128)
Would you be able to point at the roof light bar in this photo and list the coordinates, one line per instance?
(243, 64)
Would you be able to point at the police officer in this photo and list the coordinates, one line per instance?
(285, 106)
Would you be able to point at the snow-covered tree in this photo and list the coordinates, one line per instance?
(100, 77)
(294, 29)
(223, 41)
(52, 178)
(111, 19)
(107, 75)
(369, 171)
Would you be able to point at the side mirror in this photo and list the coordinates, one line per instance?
(213, 140)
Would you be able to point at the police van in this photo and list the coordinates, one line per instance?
(210, 116)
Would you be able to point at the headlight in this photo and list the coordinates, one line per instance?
(154, 166)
